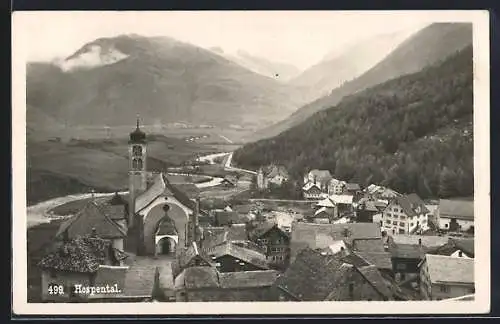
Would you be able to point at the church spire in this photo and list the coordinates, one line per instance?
(137, 121)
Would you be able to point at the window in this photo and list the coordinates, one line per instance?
(444, 288)
(137, 150)
(394, 223)
(445, 225)
(401, 266)
(401, 224)
(388, 222)
(137, 163)
(472, 290)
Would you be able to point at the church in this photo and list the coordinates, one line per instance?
(157, 218)
(163, 218)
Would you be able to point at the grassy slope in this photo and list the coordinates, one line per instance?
(57, 168)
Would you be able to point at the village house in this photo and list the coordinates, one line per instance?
(105, 218)
(229, 181)
(323, 215)
(230, 257)
(83, 261)
(226, 218)
(344, 204)
(455, 215)
(352, 189)
(236, 234)
(193, 256)
(203, 284)
(381, 193)
(320, 236)
(366, 209)
(313, 191)
(276, 242)
(336, 187)
(321, 178)
(271, 175)
(317, 276)
(405, 215)
(457, 248)
(443, 277)
(374, 252)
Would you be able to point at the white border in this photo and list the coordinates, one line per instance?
(481, 304)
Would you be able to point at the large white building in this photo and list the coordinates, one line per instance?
(455, 215)
(405, 215)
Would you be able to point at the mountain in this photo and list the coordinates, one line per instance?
(276, 70)
(428, 46)
(337, 68)
(412, 133)
(110, 80)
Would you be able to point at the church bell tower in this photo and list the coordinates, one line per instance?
(137, 168)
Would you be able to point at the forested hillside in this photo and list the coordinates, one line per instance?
(413, 134)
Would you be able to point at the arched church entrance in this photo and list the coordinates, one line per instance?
(166, 245)
(158, 218)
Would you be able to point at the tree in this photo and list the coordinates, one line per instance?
(448, 183)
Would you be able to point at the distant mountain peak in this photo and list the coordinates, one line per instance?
(92, 55)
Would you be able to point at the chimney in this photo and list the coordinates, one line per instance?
(420, 242)
(460, 254)
(94, 232)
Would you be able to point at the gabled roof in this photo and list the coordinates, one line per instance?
(190, 253)
(382, 260)
(319, 236)
(352, 187)
(231, 179)
(426, 240)
(91, 217)
(408, 251)
(83, 254)
(321, 175)
(341, 199)
(327, 202)
(411, 204)
(248, 255)
(140, 281)
(373, 276)
(464, 245)
(248, 279)
(312, 276)
(162, 187)
(323, 212)
(445, 269)
(460, 209)
(197, 278)
(263, 228)
(223, 218)
(310, 185)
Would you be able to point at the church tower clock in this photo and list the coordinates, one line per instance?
(137, 167)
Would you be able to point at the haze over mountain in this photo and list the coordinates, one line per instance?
(413, 133)
(427, 46)
(276, 70)
(337, 67)
(110, 80)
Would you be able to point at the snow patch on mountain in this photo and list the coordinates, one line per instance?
(91, 57)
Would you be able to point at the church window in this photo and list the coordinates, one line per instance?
(137, 150)
(137, 163)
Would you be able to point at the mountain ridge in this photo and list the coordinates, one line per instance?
(163, 78)
(438, 40)
(413, 133)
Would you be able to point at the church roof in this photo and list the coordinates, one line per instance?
(138, 136)
(162, 187)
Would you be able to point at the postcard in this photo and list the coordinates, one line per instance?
(251, 162)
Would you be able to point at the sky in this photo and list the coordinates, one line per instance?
(300, 38)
